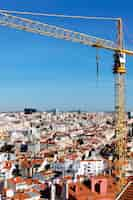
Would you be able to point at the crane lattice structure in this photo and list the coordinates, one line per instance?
(119, 70)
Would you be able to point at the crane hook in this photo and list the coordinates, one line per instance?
(97, 65)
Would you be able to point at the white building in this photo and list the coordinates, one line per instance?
(60, 127)
(91, 167)
(68, 165)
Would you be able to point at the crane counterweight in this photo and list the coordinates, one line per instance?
(119, 63)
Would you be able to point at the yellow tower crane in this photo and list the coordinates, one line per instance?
(119, 69)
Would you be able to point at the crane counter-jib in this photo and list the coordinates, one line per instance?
(125, 51)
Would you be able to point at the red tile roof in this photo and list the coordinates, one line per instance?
(128, 193)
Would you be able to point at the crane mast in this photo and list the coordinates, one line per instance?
(119, 71)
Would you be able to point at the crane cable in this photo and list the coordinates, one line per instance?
(57, 15)
(97, 65)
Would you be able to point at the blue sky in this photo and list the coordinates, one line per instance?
(42, 72)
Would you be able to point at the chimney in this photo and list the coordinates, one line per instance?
(65, 191)
(53, 191)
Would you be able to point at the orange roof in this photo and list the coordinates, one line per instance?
(28, 181)
(16, 180)
(8, 165)
(25, 163)
(36, 161)
(128, 193)
(20, 196)
(91, 160)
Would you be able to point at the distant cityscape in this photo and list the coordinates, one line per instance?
(60, 155)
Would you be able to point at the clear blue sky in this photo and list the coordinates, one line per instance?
(45, 73)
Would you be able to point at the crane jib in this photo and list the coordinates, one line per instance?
(54, 31)
(37, 27)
